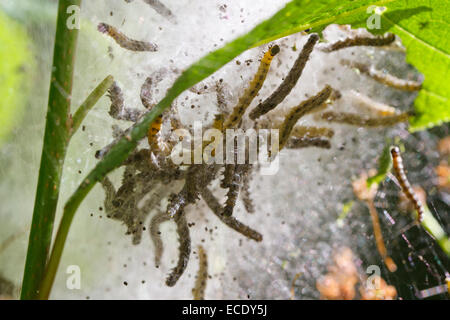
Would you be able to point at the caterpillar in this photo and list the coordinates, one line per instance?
(288, 83)
(356, 120)
(390, 264)
(160, 8)
(298, 143)
(198, 291)
(250, 93)
(301, 110)
(110, 193)
(404, 183)
(117, 109)
(155, 235)
(233, 191)
(384, 78)
(311, 132)
(145, 93)
(377, 108)
(184, 250)
(125, 42)
(231, 222)
(361, 41)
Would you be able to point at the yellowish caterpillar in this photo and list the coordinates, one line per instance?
(184, 250)
(299, 111)
(198, 291)
(357, 120)
(384, 78)
(125, 42)
(155, 235)
(153, 130)
(361, 41)
(288, 83)
(250, 93)
(404, 183)
(231, 222)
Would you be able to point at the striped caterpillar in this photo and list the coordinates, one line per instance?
(404, 183)
(250, 93)
(198, 291)
(357, 120)
(288, 83)
(125, 42)
(361, 41)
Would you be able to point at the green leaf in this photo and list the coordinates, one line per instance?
(423, 26)
(384, 166)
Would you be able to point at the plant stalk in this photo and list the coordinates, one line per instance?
(56, 139)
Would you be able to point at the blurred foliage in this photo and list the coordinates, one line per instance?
(15, 60)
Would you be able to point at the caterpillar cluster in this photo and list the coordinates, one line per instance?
(149, 171)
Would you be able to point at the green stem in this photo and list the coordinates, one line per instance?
(56, 138)
(434, 228)
(90, 102)
(63, 230)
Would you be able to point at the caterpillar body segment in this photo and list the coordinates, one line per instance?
(298, 143)
(357, 120)
(301, 110)
(184, 250)
(198, 291)
(361, 41)
(246, 196)
(231, 222)
(125, 42)
(250, 93)
(155, 235)
(397, 164)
